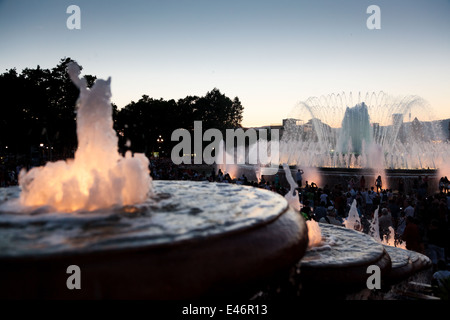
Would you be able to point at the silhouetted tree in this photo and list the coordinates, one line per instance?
(218, 111)
(38, 107)
(38, 115)
(147, 125)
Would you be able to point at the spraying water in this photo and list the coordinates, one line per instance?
(353, 221)
(292, 195)
(314, 233)
(391, 241)
(367, 131)
(99, 176)
(374, 230)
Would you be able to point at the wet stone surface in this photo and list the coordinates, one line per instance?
(178, 211)
(342, 247)
(401, 257)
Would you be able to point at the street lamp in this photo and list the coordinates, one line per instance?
(160, 140)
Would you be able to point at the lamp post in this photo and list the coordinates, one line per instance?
(160, 141)
(42, 153)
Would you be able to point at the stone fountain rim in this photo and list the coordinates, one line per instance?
(138, 248)
(414, 263)
(312, 264)
(231, 264)
(145, 244)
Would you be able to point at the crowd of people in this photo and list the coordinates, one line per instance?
(9, 175)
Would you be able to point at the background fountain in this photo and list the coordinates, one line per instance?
(374, 134)
(355, 131)
(337, 137)
(344, 130)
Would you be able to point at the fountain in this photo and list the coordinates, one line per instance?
(131, 237)
(134, 238)
(338, 257)
(355, 130)
(405, 263)
(353, 221)
(98, 176)
(344, 132)
(340, 263)
(292, 196)
(336, 138)
(371, 135)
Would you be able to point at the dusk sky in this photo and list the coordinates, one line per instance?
(271, 54)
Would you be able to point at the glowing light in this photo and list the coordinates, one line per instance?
(314, 234)
(98, 176)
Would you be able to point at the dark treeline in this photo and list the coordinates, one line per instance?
(38, 107)
(38, 117)
(148, 123)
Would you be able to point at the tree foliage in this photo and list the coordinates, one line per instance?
(38, 107)
(142, 123)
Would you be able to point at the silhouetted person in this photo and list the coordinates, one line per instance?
(441, 185)
(409, 210)
(321, 211)
(362, 183)
(299, 177)
(401, 185)
(411, 235)
(384, 222)
(379, 184)
(330, 218)
(441, 280)
(436, 235)
(306, 211)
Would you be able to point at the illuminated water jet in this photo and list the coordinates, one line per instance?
(98, 177)
(353, 220)
(374, 131)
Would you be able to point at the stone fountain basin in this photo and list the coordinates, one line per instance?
(405, 263)
(189, 240)
(341, 263)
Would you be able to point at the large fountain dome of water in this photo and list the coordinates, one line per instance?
(374, 130)
(356, 130)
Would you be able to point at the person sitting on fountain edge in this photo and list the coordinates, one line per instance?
(306, 211)
(320, 211)
(441, 280)
(330, 218)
